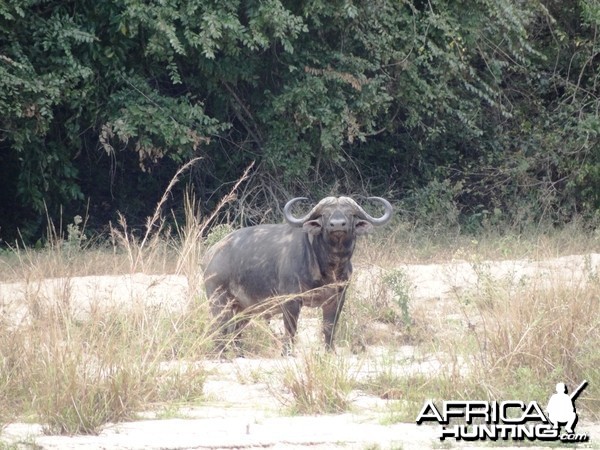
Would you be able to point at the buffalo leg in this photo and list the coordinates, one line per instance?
(331, 316)
(238, 326)
(226, 327)
(291, 312)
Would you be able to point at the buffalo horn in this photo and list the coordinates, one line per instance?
(387, 215)
(288, 214)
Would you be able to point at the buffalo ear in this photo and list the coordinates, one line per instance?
(363, 226)
(312, 227)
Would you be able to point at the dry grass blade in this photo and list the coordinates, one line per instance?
(157, 211)
(193, 234)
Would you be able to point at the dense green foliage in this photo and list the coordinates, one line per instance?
(468, 112)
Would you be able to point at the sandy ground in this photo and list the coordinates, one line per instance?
(239, 410)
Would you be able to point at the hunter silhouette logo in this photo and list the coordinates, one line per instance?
(512, 419)
(561, 407)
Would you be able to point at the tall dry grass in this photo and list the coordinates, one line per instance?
(504, 339)
(404, 241)
(74, 368)
(74, 373)
(532, 336)
(516, 341)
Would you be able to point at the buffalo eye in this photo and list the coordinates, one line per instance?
(363, 226)
(312, 226)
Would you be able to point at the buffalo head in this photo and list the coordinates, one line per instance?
(338, 216)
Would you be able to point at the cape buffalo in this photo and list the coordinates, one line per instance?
(279, 268)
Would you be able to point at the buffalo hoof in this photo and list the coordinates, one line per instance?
(287, 350)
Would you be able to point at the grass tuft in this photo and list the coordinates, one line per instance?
(316, 382)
